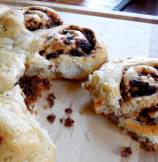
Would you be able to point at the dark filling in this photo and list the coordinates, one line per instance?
(32, 87)
(33, 25)
(144, 72)
(145, 144)
(139, 88)
(144, 117)
(83, 47)
(156, 67)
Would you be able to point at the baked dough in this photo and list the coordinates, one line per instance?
(70, 52)
(21, 138)
(12, 67)
(18, 27)
(128, 90)
(40, 17)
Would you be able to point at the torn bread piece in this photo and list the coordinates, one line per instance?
(128, 90)
(21, 137)
(69, 52)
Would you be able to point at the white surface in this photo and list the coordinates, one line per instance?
(92, 138)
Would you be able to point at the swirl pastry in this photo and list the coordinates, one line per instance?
(71, 51)
(38, 17)
(21, 138)
(21, 25)
(128, 89)
(12, 66)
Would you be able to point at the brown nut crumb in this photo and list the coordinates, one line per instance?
(126, 151)
(68, 110)
(68, 122)
(51, 118)
(147, 146)
(50, 99)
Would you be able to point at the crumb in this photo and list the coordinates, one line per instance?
(68, 122)
(51, 118)
(50, 99)
(147, 146)
(61, 120)
(68, 110)
(126, 151)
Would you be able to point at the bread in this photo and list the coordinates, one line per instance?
(20, 26)
(21, 137)
(69, 52)
(128, 90)
(12, 67)
(35, 43)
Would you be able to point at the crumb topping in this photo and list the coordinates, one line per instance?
(126, 151)
(68, 122)
(51, 118)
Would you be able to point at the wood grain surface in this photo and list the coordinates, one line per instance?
(93, 138)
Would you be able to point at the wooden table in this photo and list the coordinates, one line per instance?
(93, 139)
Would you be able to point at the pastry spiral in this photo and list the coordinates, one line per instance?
(39, 17)
(127, 90)
(72, 51)
(71, 40)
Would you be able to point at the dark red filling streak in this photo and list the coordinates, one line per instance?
(32, 25)
(84, 47)
(32, 87)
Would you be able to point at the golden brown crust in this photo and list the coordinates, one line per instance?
(140, 129)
